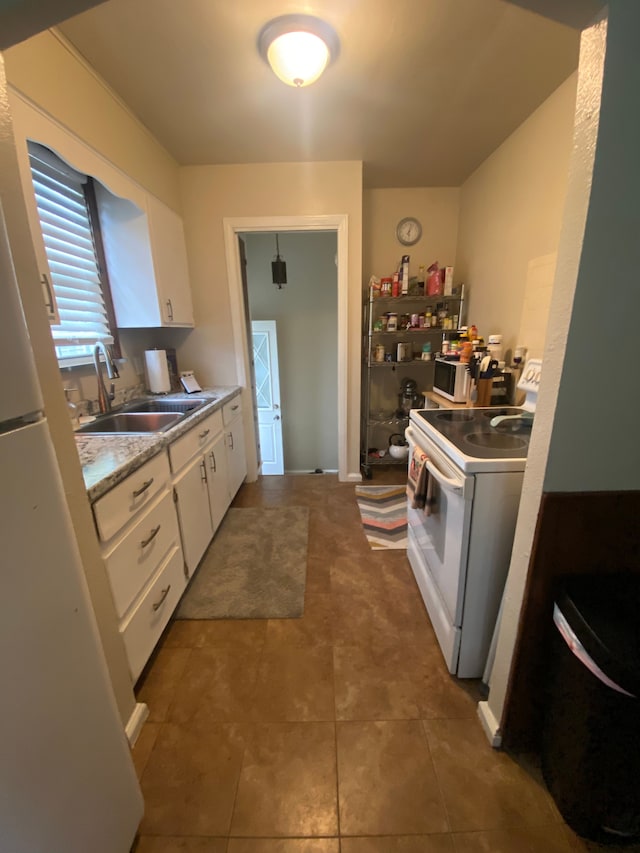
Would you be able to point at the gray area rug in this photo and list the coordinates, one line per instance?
(255, 568)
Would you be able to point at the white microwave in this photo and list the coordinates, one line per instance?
(451, 380)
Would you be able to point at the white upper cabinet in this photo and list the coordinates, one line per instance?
(147, 262)
(170, 264)
(143, 238)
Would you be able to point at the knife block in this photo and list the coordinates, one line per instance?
(484, 392)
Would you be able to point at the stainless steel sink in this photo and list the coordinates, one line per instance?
(132, 422)
(183, 407)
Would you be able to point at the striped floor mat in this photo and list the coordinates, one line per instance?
(384, 515)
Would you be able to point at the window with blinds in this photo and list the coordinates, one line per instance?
(70, 245)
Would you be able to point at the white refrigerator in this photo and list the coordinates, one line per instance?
(67, 782)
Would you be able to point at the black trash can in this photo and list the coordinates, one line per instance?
(591, 738)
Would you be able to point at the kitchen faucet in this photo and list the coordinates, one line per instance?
(104, 399)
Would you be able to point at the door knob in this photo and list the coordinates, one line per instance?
(276, 406)
(277, 418)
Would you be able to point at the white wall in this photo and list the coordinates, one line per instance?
(305, 311)
(212, 193)
(590, 450)
(510, 213)
(436, 208)
(53, 79)
(576, 445)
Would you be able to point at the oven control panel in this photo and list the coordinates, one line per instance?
(530, 379)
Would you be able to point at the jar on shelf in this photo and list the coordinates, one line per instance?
(392, 322)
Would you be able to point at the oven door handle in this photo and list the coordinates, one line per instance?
(452, 485)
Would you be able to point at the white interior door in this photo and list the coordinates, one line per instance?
(265, 357)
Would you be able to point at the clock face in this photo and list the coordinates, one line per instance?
(409, 231)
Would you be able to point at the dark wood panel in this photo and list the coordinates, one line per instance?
(577, 533)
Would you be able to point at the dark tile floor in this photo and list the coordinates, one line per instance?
(340, 731)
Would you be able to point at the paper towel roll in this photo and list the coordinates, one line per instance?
(157, 371)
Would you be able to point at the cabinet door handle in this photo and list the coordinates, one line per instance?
(49, 303)
(150, 537)
(143, 488)
(230, 441)
(204, 434)
(214, 467)
(169, 310)
(236, 407)
(203, 469)
(163, 595)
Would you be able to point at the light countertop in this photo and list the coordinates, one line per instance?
(107, 459)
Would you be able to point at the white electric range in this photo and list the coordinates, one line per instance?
(461, 549)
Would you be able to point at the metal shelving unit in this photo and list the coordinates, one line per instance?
(380, 413)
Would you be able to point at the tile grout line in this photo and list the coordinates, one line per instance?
(437, 777)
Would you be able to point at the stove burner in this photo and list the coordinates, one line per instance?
(496, 440)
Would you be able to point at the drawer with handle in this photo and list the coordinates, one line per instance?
(192, 442)
(231, 410)
(137, 555)
(146, 622)
(124, 501)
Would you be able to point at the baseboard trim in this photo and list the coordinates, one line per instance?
(490, 725)
(136, 721)
(354, 477)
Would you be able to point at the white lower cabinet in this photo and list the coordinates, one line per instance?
(148, 618)
(234, 445)
(192, 502)
(140, 543)
(155, 525)
(200, 483)
(217, 479)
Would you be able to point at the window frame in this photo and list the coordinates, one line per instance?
(102, 272)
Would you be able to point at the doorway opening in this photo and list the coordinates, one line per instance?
(295, 352)
(334, 226)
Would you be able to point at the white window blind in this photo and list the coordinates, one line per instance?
(68, 240)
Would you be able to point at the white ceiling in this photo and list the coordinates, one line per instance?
(422, 92)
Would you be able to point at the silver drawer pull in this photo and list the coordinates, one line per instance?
(212, 457)
(143, 488)
(165, 593)
(150, 537)
(205, 433)
(235, 408)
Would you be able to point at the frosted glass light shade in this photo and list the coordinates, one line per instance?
(298, 48)
(298, 59)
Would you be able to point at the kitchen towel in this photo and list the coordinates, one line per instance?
(419, 489)
(157, 370)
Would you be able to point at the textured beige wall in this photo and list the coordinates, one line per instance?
(51, 74)
(54, 79)
(437, 211)
(55, 408)
(211, 193)
(510, 213)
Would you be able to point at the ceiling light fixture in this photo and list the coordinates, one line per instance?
(278, 268)
(298, 48)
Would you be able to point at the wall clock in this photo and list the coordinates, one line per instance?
(408, 231)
